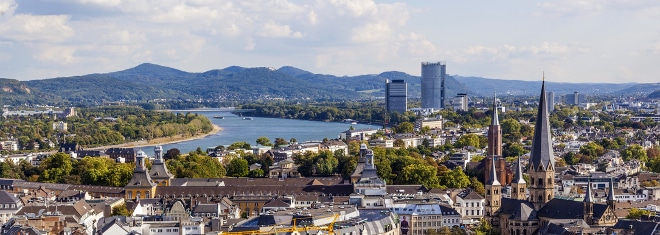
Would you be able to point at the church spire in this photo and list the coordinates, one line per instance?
(518, 185)
(496, 120)
(541, 168)
(587, 197)
(492, 179)
(518, 177)
(542, 154)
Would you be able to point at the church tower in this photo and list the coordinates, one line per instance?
(542, 160)
(518, 184)
(141, 186)
(588, 205)
(495, 149)
(493, 192)
(159, 173)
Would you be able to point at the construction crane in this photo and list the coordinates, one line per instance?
(294, 229)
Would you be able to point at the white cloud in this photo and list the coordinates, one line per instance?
(57, 54)
(23, 27)
(274, 30)
(7, 7)
(570, 7)
(107, 3)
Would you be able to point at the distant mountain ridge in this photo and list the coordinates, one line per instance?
(151, 81)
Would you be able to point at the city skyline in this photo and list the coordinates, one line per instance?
(573, 41)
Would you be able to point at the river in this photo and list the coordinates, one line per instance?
(235, 129)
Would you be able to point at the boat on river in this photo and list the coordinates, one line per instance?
(219, 117)
(248, 118)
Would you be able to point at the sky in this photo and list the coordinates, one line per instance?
(611, 41)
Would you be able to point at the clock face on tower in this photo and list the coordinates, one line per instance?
(607, 217)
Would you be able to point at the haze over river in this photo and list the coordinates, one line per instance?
(235, 129)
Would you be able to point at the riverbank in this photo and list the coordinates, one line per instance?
(163, 140)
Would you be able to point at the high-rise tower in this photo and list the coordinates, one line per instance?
(433, 85)
(542, 160)
(396, 96)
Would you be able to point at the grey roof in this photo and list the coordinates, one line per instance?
(140, 179)
(541, 154)
(638, 227)
(518, 209)
(492, 178)
(518, 177)
(159, 171)
(6, 198)
(525, 212)
(496, 120)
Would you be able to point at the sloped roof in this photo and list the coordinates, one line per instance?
(518, 209)
(541, 153)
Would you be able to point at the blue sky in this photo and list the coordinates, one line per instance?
(611, 41)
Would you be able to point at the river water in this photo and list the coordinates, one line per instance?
(235, 129)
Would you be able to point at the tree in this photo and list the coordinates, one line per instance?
(468, 140)
(513, 150)
(653, 152)
(634, 213)
(455, 178)
(238, 167)
(172, 153)
(256, 173)
(280, 141)
(263, 140)
(56, 167)
(405, 127)
(634, 151)
(592, 149)
(477, 186)
(121, 210)
(419, 174)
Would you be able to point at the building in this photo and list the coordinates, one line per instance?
(495, 150)
(433, 85)
(140, 186)
(60, 126)
(159, 173)
(550, 96)
(9, 205)
(574, 99)
(460, 102)
(541, 211)
(396, 96)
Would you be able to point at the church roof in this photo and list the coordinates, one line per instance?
(518, 209)
(159, 171)
(526, 212)
(542, 154)
(568, 209)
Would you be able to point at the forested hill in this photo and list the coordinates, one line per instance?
(150, 81)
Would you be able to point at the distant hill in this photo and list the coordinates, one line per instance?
(150, 81)
(654, 95)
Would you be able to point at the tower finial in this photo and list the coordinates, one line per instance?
(543, 76)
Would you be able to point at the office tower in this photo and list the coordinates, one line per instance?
(550, 96)
(396, 96)
(433, 85)
(575, 99)
(460, 102)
